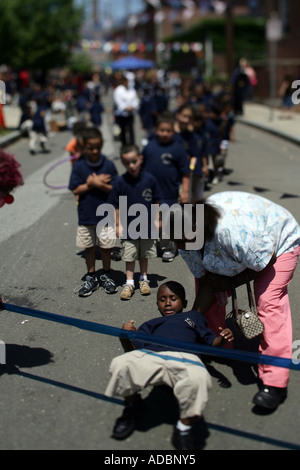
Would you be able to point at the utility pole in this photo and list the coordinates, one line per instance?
(229, 38)
(95, 13)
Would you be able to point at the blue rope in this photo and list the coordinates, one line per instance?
(245, 356)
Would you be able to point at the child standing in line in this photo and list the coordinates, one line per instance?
(200, 177)
(95, 111)
(91, 179)
(166, 159)
(140, 187)
(74, 146)
(147, 363)
(184, 128)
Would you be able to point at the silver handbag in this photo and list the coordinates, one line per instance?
(247, 322)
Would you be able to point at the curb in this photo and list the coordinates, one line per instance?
(283, 135)
(10, 138)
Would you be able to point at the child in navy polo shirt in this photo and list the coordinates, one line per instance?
(199, 180)
(146, 363)
(139, 187)
(95, 111)
(185, 132)
(166, 159)
(91, 180)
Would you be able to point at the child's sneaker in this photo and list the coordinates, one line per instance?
(168, 256)
(145, 287)
(90, 285)
(127, 292)
(108, 284)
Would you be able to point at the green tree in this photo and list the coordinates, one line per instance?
(80, 62)
(38, 34)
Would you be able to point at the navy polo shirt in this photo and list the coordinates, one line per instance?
(187, 327)
(190, 143)
(168, 163)
(89, 201)
(213, 132)
(143, 189)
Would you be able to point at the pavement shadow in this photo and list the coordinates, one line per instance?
(161, 407)
(24, 356)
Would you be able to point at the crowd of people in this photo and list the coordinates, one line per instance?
(182, 139)
(186, 139)
(173, 166)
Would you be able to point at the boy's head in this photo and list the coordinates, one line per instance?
(132, 159)
(92, 143)
(165, 128)
(215, 111)
(78, 130)
(199, 120)
(185, 116)
(171, 298)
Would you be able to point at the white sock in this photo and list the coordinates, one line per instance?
(182, 427)
(143, 278)
(130, 282)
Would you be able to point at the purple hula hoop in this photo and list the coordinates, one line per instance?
(60, 162)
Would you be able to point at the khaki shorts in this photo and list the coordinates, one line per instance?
(133, 250)
(184, 372)
(87, 237)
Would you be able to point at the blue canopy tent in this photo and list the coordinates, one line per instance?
(132, 63)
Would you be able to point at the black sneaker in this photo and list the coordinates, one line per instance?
(125, 425)
(168, 256)
(108, 284)
(44, 149)
(90, 285)
(183, 440)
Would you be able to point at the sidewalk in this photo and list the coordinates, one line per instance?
(261, 117)
(12, 116)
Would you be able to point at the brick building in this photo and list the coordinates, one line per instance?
(154, 25)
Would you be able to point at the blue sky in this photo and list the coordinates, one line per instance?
(117, 8)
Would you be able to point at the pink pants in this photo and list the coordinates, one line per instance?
(273, 307)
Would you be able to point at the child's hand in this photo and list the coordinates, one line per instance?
(119, 231)
(103, 179)
(91, 180)
(184, 197)
(226, 334)
(129, 326)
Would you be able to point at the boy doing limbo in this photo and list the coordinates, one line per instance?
(146, 364)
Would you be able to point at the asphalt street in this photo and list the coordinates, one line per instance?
(52, 388)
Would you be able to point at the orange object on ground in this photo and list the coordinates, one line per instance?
(2, 120)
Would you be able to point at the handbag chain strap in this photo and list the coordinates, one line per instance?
(234, 296)
(234, 299)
